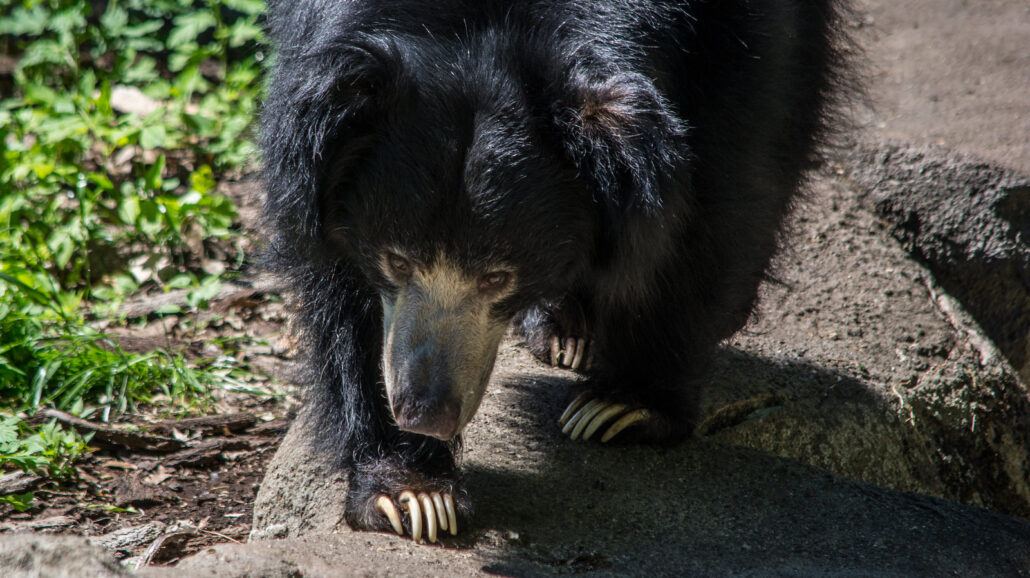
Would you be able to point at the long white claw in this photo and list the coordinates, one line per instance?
(441, 515)
(581, 345)
(602, 418)
(570, 350)
(569, 425)
(408, 499)
(427, 505)
(624, 422)
(452, 518)
(572, 408)
(386, 508)
(584, 419)
(555, 350)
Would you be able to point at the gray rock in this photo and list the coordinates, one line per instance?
(700, 509)
(303, 492)
(969, 222)
(868, 369)
(35, 555)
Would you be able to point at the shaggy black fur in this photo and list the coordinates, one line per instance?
(633, 160)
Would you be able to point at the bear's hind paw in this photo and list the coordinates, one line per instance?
(437, 509)
(586, 415)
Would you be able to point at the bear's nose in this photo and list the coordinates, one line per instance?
(432, 417)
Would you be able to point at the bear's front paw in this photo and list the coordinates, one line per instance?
(386, 496)
(614, 414)
(587, 414)
(434, 511)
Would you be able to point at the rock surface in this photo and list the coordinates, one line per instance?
(969, 222)
(35, 555)
(870, 371)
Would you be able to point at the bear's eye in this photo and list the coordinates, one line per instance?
(494, 281)
(399, 266)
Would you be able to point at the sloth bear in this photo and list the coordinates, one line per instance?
(610, 176)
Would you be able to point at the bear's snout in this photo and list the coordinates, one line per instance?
(434, 416)
(424, 402)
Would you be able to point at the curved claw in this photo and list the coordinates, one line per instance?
(585, 417)
(434, 512)
(441, 513)
(624, 422)
(430, 511)
(574, 420)
(571, 409)
(408, 499)
(452, 518)
(602, 418)
(385, 506)
(581, 345)
(569, 352)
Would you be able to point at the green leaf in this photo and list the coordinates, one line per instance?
(20, 502)
(200, 124)
(250, 7)
(144, 70)
(180, 281)
(8, 431)
(31, 292)
(114, 20)
(45, 51)
(43, 169)
(23, 22)
(101, 180)
(128, 210)
(168, 309)
(152, 178)
(152, 136)
(142, 29)
(65, 21)
(203, 180)
(242, 32)
(187, 27)
(200, 296)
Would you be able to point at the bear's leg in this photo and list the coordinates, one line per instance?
(398, 481)
(557, 333)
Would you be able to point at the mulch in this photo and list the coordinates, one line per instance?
(156, 490)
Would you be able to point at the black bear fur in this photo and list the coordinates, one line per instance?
(634, 161)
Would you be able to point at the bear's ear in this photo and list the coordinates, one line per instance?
(322, 97)
(621, 132)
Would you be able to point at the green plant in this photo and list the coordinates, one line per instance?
(95, 181)
(49, 450)
(76, 369)
(118, 122)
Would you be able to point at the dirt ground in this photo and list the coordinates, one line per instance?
(949, 72)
